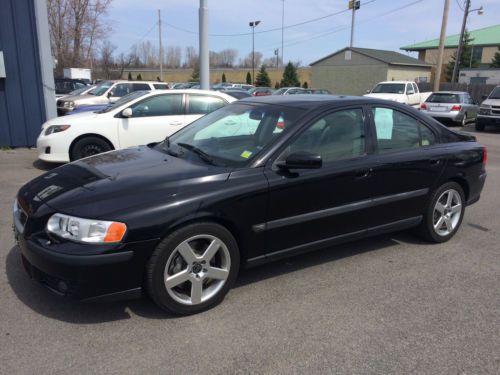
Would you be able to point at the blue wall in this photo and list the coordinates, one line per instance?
(22, 110)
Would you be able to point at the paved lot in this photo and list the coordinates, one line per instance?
(387, 305)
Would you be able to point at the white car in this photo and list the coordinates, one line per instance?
(139, 118)
(405, 92)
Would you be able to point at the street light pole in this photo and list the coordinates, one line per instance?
(253, 24)
(282, 31)
(439, 68)
(203, 36)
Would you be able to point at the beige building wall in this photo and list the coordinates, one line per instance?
(348, 77)
(430, 56)
(405, 73)
(232, 75)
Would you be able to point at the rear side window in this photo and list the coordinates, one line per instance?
(140, 86)
(202, 104)
(160, 86)
(398, 131)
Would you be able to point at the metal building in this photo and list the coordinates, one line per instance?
(27, 96)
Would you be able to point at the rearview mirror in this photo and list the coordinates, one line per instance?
(301, 160)
(127, 112)
(256, 115)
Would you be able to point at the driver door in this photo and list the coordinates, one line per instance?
(152, 120)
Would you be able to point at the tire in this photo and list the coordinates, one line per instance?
(89, 146)
(464, 120)
(479, 126)
(189, 257)
(443, 215)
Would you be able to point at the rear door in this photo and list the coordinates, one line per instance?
(152, 120)
(409, 162)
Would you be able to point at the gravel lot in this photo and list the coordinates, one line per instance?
(387, 305)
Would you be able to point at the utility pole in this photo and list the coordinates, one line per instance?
(282, 31)
(277, 53)
(203, 35)
(354, 5)
(439, 67)
(460, 42)
(161, 47)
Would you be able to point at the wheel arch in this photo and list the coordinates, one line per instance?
(463, 184)
(82, 136)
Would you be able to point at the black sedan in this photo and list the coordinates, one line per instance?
(258, 180)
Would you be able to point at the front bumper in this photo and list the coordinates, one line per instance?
(52, 148)
(488, 119)
(110, 275)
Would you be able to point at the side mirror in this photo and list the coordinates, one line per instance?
(110, 94)
(368, 91)
(484, 97)
(127, 112)
(301, 160)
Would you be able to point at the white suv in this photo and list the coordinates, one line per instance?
(106, 92)
(141, 117)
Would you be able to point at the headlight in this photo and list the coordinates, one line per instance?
(69, 104)
(56, 129)
(86, 230)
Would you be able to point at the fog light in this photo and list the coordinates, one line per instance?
(47, 150)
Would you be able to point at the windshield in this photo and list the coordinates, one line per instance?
(444, 98)
(235, 134)
(101, 88)
(125, 99)
(495, 94)
(389, 88)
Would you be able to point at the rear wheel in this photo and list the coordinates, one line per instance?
(89, 146)
(193, 269)
(444, 213)
(464, 120)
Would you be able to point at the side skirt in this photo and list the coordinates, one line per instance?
(311, 246)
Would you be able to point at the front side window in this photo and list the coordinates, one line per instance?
(409, 89)
(337, 136)
(398, 131)
(203, 104)
(159, 105)
(121, 89)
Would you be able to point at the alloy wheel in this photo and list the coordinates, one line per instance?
(447, 212)
(197, 269)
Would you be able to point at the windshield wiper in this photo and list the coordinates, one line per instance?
(202, 154)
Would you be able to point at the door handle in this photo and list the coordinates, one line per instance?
(434, 162)
(364, 173)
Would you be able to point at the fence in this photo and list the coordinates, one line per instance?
(476, 91)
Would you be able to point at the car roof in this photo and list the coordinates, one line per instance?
(450, 92)
(311, 101)
(190, 91)
(396, 82)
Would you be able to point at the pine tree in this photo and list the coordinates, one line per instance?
(290, 77)
(223, 77)
(249, 78)
(263, 79)
(130, 76)
(305, 85)
(139, 77)
(495, 63)
(467, 59)
(195, 77)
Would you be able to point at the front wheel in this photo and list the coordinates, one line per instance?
(193, 268)
(444, 213)
(89, 146)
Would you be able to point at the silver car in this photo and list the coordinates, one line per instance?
(451, 107)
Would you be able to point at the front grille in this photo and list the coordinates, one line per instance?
(495, 110)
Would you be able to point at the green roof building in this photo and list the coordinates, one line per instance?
(485, 43)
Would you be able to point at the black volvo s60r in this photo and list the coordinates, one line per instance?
(257, 180)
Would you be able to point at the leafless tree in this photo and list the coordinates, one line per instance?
(191, 57)
(106, 61)
(76, 30)
(246, 62)
(173, 57)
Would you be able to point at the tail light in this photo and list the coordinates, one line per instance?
(485, 156)
(423, 106)
(456, 107)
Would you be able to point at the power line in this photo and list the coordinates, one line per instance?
(268, 30)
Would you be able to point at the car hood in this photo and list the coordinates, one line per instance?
(73, 119)
(86, 99)
(393, 97)
(491, 102)
(106, 185)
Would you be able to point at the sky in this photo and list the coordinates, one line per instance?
(381, 24)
